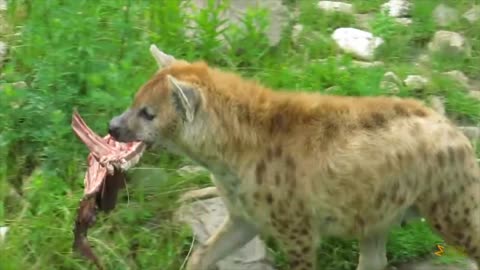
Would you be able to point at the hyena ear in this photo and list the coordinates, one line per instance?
(163, 59)
(186, 98)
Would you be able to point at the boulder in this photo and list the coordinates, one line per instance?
(3, 5)
(359, 43)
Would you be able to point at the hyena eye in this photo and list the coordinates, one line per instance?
(145, 114)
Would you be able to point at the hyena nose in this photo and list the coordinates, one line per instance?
(114, 131)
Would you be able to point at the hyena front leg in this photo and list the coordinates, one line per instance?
(373, 253)
(233, 234)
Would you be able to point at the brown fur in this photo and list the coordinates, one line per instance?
(299, 166)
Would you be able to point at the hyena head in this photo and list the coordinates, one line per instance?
(162, 106)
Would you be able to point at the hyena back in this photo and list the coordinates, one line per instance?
(301, 166)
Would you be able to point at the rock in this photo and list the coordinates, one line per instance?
(3, 52)
(192, 170)
(333, 6)
(438, 104)
(277, 19)
(404, 21)
(3, 5)
(445, 15)
(397, 8)
(205, 217)
(449, 42)
(390, 83)
(473, 14)
(416, 82)
(459, 77)
(360, 43)
(296, 32)
(3, 233)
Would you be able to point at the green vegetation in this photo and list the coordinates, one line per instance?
(93, 56)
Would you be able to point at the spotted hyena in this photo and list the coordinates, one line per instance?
(301, 166)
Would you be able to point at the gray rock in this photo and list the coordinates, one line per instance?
(278, 16)
(205, 217)
(390, 83)
(359, 43)
(445, 15)
(438, 104)
(449, 42)
(334, 6)
(3, 233)
(3, 52)
(459, 77)
(397, 8)
(473, 14)
(416, 82)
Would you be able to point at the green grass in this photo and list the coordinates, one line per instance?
(93, 56)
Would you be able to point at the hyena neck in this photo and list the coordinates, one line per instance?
(234, 130)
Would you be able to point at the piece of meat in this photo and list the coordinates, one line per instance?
(107, 162)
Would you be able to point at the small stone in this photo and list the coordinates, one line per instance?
(450, 42)
(296, 32)
(438, 104)
(404, 21)
(397, 8)
(391, 83)
(416, 82)
(333, 6)
(473, 14)
(3, 52)
(3, 233)
(359, 43)
(459, 77)
(445, 15)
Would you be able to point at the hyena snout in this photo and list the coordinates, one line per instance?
(117, 128)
